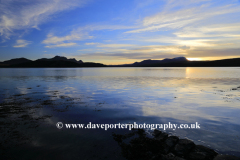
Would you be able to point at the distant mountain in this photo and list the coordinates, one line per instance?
(59, 58)
(153, 62)
(56, 61)
(15, 61)
(183, 62)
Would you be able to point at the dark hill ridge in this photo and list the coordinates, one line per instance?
(183, 62)
(58, 58)
(56, 61)
(55, 64)
(15, 61)
(167, 60)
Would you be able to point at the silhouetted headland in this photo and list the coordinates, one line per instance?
(55, 62)
(183, 62)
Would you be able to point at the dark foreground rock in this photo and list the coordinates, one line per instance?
(226, 157)
(137, 145)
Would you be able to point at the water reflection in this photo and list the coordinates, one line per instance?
(122, 95)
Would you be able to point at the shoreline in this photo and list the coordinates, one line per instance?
(137, 145)
(168, 147)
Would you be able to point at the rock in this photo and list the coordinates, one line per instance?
(171, 141)
(226, 157)
(202, 153)
(162, 137)
(183, 147)
(171, 156)
(159, 135)
(156, 133)
(198, 156)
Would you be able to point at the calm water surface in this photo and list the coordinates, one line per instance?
(209, 96)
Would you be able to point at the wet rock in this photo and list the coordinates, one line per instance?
(226, 157)
(141, 132)
(198, 156)
(156, 133)
(183, 147)
(159, 135)
(169, 144)
(202, 153)
(171, 141)
(137, 145)
(171, 156)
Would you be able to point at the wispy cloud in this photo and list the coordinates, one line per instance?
(219, 30)
(21, 15)
(115, 45)
(80, 33)
(61, 45)
(124, 51)
(188, 14)
(92, 43)
(21, 43)
(75, 35)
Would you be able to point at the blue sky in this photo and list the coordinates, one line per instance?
(117, 32)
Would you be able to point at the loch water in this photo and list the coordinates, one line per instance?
(33, 100)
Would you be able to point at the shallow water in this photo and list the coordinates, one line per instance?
(209, 96)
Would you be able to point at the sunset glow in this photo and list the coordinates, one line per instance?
(194, 59)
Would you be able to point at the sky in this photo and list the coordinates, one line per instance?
(120, 31)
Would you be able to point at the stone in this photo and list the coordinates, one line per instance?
(162, 137)
(156, 133)
(171, 156)
(202, 153)
(159, 135)
(183, 147)
(171, 141)
(226, 157)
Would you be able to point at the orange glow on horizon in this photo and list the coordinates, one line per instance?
(194, 59)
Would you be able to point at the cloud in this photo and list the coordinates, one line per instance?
(219, 30)
(80, 34)
(21, 43)
(92, 43)
(62, 45)
(21, 15)
(231, 52)
(184, 47)
(186, 14)
(126, 51)
(75, 35)
(116, 45)
(128, 56)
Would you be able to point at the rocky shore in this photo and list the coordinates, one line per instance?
(138, 145)
(19, 118)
